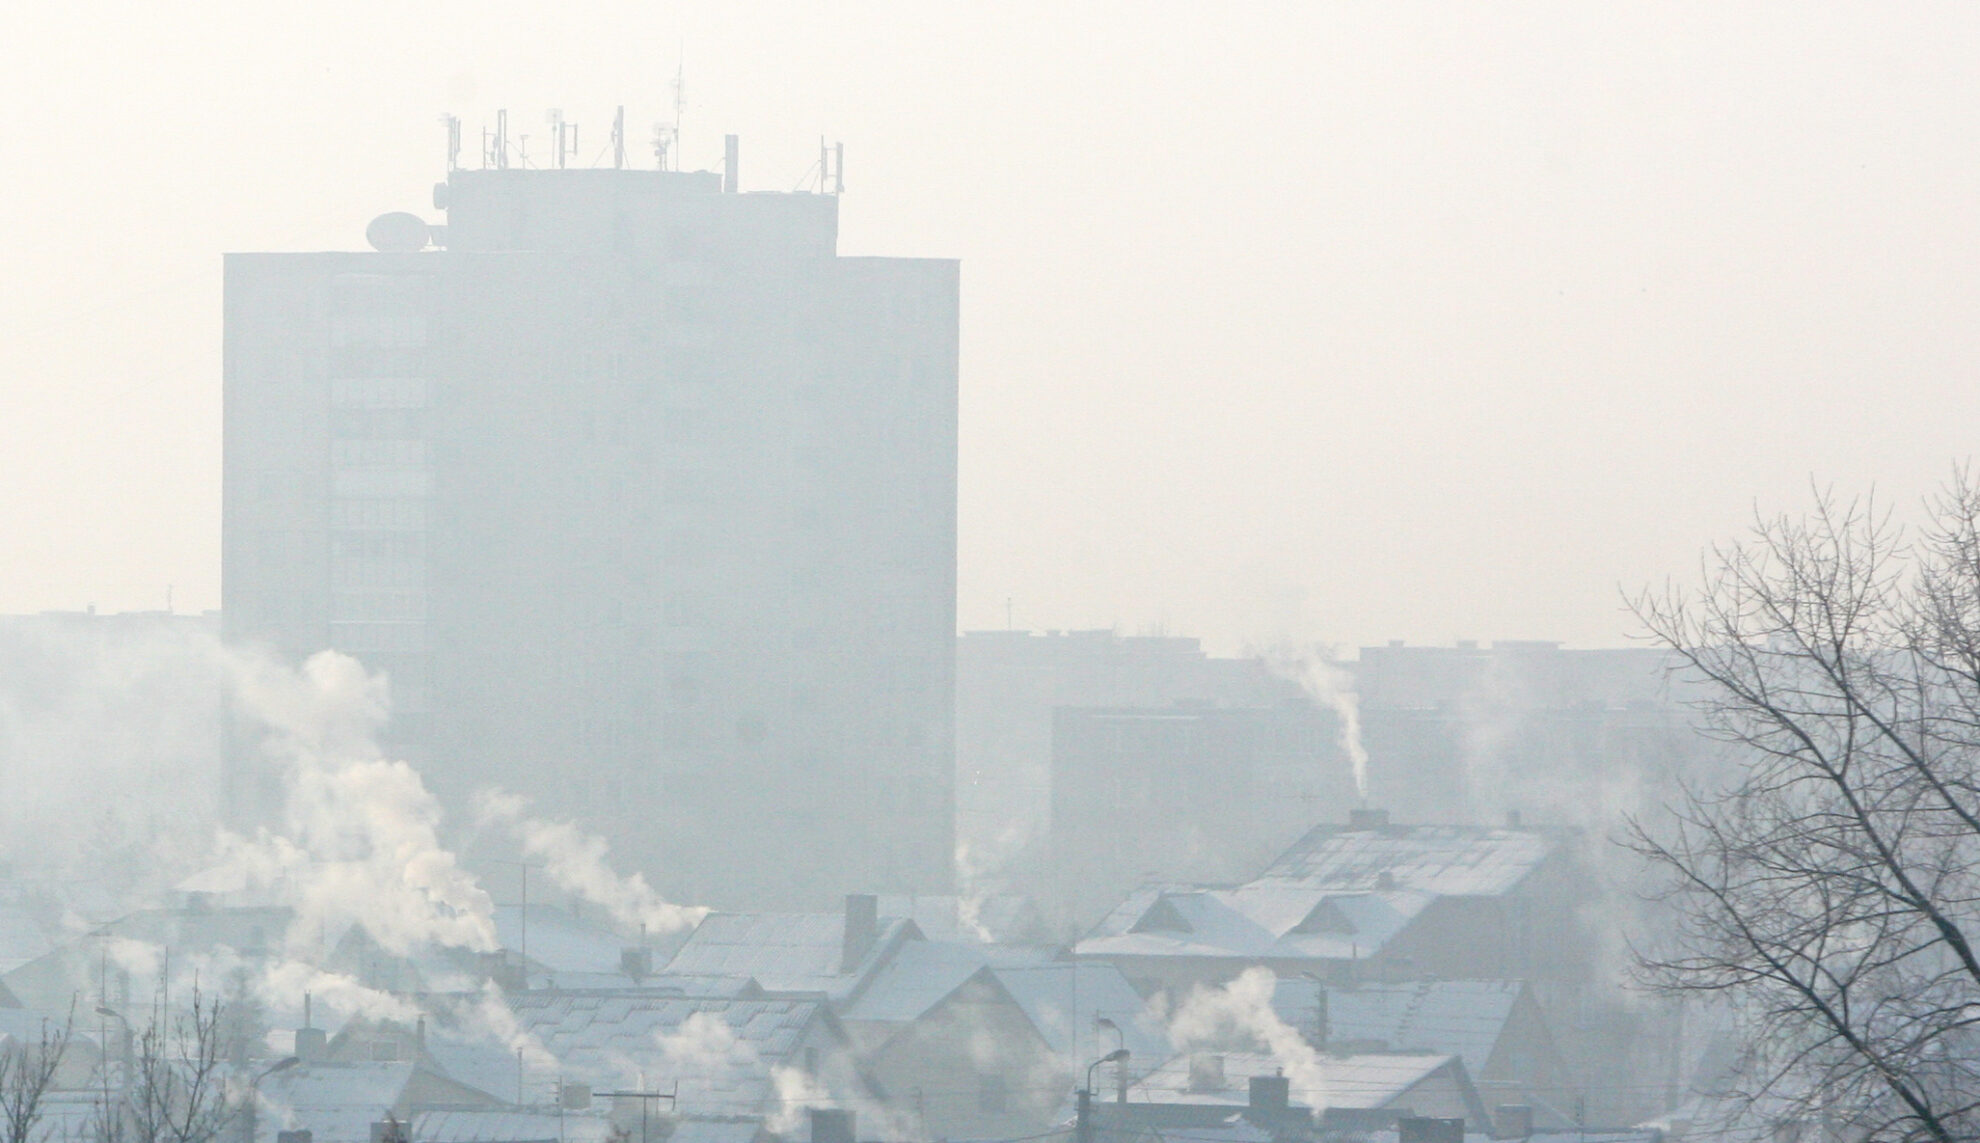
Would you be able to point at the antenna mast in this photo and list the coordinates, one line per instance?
(619, 139)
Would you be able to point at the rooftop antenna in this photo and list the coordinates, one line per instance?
(680, 92)
(453, 142)
(839, 167)
(502, 140)
(619, 139)
(560, 133)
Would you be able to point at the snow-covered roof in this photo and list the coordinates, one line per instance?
(918, 977)
(1444, 861)
(787, 952)
(559, 942)
(496, 1126)
(721, 1051)
(22, 938)
(1464, 1018)
(947, 917)
(1064, 1000)
(1254, 921)
(1337, 894)
(338, 1103)
(1356, 1082)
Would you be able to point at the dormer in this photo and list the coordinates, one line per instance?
(1162, 917)
(1325, 917)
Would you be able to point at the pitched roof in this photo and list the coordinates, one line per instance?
(920, 976)
(1255, 921)
(1337, 894)
(1063, 1001)
(947, 917)
(787, 952)
(1357, 1081)
(337, 1102)
(22, 938)
(508, 1127)
(722, 1051)
(1445, 861)
(558, 941)
(1464, 1018)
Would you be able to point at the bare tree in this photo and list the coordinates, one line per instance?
(27, 1072)
(1830, 890)
(183, 1087)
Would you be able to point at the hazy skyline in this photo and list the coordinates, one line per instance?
(1367, 322)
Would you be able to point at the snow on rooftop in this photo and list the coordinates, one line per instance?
(785, 952)
(1446, 861)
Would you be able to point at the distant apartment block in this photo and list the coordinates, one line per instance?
(644, 497)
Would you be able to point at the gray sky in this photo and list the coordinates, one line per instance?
(1344, 321)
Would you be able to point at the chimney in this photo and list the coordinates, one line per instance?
(636, 961)
(312, 1043)
(862, 929)
(1512, 1121)
(731, 164)
(1206, 1073)
(1366, 819)
(1271, 1095)
(831, 1125)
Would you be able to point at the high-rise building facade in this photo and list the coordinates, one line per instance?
(645, 499)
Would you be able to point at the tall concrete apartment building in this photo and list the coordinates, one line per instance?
(645, 499)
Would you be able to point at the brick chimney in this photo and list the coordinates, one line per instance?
(862, 929)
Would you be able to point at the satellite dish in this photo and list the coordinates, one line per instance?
(398, 233)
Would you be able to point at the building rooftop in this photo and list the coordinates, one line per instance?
(1464, 1018)
(723, 1052)
(1447, 861)
(788, 952)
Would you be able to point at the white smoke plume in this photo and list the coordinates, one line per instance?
(797, 1091)
(361, 841)
(491, 1016)
(1239, 1016)
(577, 863)
(1326, 683)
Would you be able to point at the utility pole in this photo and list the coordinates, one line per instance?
(646, 1099)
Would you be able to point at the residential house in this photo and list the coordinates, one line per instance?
(1494, 1026)
(833, 955)
(1209, 1085)
(979, 1043)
